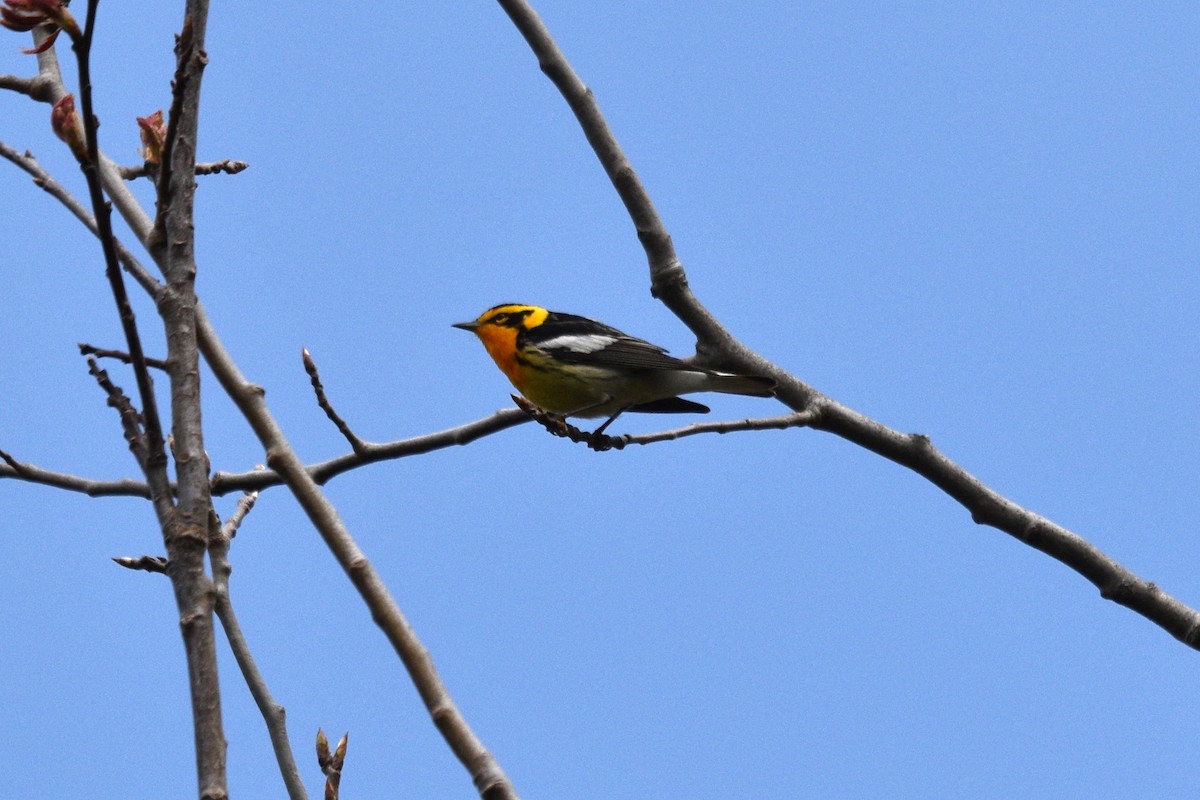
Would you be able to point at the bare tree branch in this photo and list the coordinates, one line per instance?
(119, 355)
(601, 442)
(48, 69)
(131, 421)
(486, 773)
(195, 519)
(37, 87)
(797, 419)
(16, 466)
(126, 487)
(223, 483)
(231, 525)
(19, 469)
(273, 713)
(490, 780)
(989, 507)
(310, 366)
(185, 526)
(17, 84)
(126, 204)
(324, 471)
(227, 166)
(154, 459)
(718, 348)
(44, 180)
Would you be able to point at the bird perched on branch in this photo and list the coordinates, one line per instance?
(576, 367)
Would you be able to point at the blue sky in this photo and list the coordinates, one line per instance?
(979, 223)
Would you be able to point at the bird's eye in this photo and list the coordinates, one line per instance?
(500, 319)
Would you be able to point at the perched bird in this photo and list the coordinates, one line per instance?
(576, 367)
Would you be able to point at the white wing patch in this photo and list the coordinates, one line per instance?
(576, 343)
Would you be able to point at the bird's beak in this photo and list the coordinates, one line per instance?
(466, 326)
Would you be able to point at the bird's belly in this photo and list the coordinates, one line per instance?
(589, 394)
(596, 392)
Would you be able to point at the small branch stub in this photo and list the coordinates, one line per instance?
(146, 563)
(310, 366)
(227, 166)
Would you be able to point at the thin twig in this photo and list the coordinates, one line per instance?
(185, 46)
(154, 462)
(18, 470)
(273, 714)
(156, 564)
(324, 471)
(225, 482)
(46, 181)
(17, 467)
(310, 366)
(244, 505)
(126, 204)
(227, 166)
(601, 442)
(797, 419)
(99, 352)
(126, 487)
(131, 421)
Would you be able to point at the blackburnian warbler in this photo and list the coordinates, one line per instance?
(576, 367)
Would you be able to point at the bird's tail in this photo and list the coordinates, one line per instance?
(751, 385)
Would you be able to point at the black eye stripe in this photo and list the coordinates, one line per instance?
(511, 319)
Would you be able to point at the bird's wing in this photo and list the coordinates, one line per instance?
(577, 340)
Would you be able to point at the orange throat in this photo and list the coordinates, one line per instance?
(501, 344)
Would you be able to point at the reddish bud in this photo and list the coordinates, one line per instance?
(154, 134)
(21, 15)
(67, 126)
(25, 15)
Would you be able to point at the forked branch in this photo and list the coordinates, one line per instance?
(718, 348)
